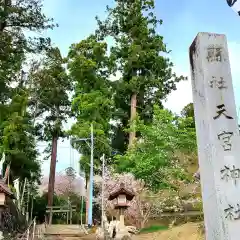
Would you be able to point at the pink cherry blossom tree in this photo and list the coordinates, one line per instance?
(64, 184)
(147, 204)
(140, 208)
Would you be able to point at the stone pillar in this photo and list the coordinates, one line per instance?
(217, 136)
(122, 220)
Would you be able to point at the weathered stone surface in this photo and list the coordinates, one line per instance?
(217, 136)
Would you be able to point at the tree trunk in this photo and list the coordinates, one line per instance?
(132, 134)
(52, 171)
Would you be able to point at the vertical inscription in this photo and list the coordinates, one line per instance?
(225, 138)
(220, 169)
(221, 111)
(232, 212)
(217, 83)
(230, 173)
(214, 54)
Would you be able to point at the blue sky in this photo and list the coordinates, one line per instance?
(182, 20)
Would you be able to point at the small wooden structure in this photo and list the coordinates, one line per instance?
(5, 194)
(122, 196)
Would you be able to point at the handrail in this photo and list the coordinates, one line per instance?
(63, 206)
(27, 232)
(40, 231)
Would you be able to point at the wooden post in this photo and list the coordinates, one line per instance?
(67, 217)
(71, 214)
(217, 136)
(50, 215)
(81, 214)
(1, 219)
(28, 233)
(34, 229)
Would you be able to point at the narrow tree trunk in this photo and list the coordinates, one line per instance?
(52, 171)
(132, 134)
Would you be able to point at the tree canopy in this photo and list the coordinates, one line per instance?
(90, 69)
(17, 17)
(17, 120)
(141, 58)
(156, 153)
(127, 114)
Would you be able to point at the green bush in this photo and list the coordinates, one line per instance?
(153, 229)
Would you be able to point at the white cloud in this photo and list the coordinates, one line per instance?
(183, 95)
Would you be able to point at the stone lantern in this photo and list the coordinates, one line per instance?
(122, 197)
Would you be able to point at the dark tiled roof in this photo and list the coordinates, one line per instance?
(121, 190)
(5, 189)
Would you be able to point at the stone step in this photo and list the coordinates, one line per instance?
(55, 237)
(52, 237)
(64, 232)
(64, 229)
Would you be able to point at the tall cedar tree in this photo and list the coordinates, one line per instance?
(147, 76)
(52, 86)
(89, 68)
(18, 139)
(16, 125)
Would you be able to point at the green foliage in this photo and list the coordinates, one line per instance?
(16, 120)
(16, 17)
(18, 141)
(90, 69)
(154, 158)
(140, 57)
(187, 135)
(40, 205)
(188, 112)
(153, 229)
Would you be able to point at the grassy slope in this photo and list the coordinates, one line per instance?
(189, 231)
